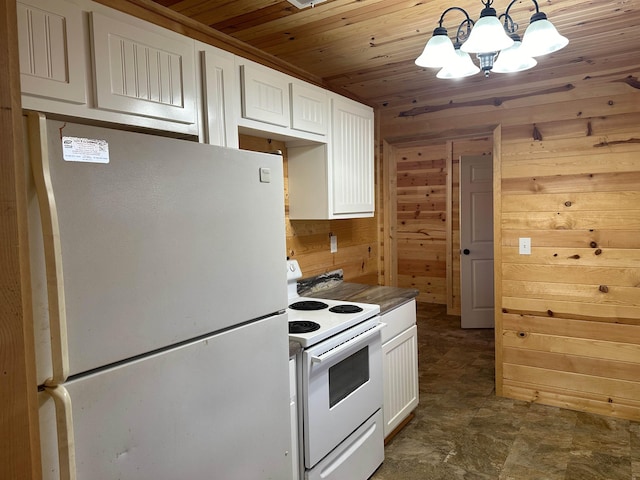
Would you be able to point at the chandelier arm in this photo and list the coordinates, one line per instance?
(506, 12)
(510, 26)
(454, 8)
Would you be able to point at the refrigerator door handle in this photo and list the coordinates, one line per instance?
(64, 428)
(38, 153)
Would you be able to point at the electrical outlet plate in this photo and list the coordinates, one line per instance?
(333, 243)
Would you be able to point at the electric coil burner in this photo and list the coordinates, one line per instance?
(303, 326)
(308, 305)
(346, 308)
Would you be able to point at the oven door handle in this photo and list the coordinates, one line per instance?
(323, 357)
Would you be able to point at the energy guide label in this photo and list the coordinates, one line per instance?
(91, 150)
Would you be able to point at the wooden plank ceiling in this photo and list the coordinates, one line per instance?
(367, 47)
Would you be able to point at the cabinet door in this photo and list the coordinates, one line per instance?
(143, 71)
(352, 161)
(265, 95)
(52, 54)
(218, 70)
(309, 108)
(400, 374)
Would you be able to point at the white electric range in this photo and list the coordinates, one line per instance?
(339, 379)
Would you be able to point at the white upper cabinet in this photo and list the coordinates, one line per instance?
(52, 50)
(352, 158)
(280, 105)
(142, 71)
(265, 94)
(85, 60)
(309, 108)
(335, 180)
(220, 123)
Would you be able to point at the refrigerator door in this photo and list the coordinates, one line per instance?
(213, 408)
(167, 241)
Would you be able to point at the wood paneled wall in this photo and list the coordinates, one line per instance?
(568, 168)
(428, 229)
(421, 220)
(308, 240)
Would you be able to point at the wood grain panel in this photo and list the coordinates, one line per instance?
(584, 182)
(629, 371)
(611, 313)
(19, 442)
(563, 398)
(584, 328)
(563, 202)
(570, 274)
(572, 346)
(579, 290)
(567, 381)
(610, 257)
(613, 219)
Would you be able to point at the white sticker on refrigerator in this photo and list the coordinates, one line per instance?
(76, 149)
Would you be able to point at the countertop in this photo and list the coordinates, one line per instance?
(387, 297)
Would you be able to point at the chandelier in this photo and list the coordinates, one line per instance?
(494, 41)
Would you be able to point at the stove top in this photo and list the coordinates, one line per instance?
(332, 316)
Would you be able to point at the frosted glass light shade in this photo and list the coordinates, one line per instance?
(541, 37)
(487, 35)
(461, 66)
(513, 59)
(437, 52)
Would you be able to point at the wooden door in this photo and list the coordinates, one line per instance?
(476, 241)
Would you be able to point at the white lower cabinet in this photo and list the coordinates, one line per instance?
(400, 365)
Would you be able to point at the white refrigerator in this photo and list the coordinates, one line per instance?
(159, 297)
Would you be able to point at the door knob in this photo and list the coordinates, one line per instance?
(466, 251)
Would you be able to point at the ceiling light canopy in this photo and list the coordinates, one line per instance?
(305, 3)
(494, 41)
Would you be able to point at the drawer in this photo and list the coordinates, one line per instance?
(398, 320)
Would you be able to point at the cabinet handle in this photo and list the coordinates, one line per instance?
(466, 251)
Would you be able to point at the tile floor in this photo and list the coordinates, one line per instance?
(463, 431)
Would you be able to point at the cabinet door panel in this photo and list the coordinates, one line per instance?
(51, 47)
(142, 72)
(218, 79)
(265, 95)
(309, 109)
(400, 378)
(352, 162)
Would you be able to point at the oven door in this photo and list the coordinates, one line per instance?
(341, 387)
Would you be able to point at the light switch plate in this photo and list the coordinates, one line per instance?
(334, 243)
(525, 246)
